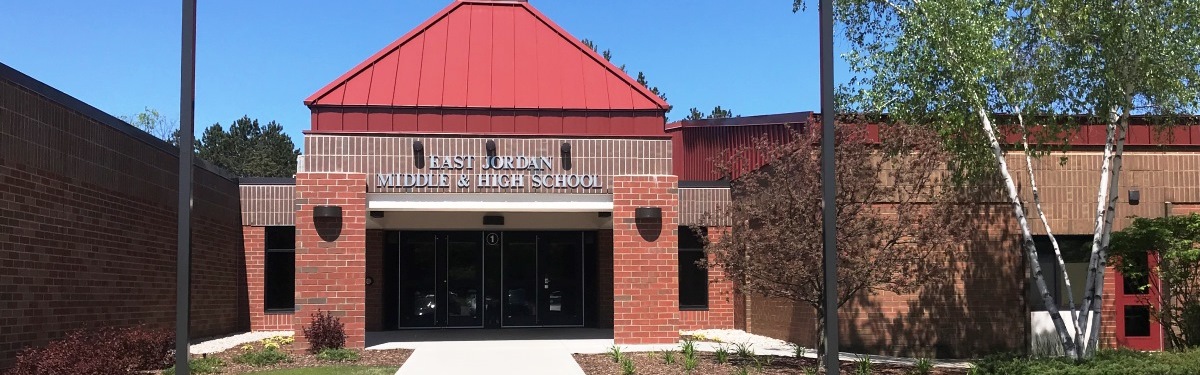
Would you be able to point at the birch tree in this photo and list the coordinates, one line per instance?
(954, 64)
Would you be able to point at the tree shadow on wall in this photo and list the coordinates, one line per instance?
(976, 309)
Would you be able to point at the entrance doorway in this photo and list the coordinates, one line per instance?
(475, 279)
(1133, 303)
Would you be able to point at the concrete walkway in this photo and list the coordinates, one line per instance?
(492, 357)
(521, 351)
(548, 351)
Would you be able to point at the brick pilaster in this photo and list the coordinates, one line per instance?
(645, 261)
(331, 254)
(254, 239)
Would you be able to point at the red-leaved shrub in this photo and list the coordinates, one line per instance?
(325, 332)
(103, 351)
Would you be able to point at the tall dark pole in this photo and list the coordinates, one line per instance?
(829, 188)
(187, 118)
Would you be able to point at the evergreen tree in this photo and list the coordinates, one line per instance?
(249, 149)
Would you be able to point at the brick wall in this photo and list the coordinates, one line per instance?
(88, 225)
(720, 313)
(978, 308)
(389, 153)
(256, 257)
(331, 253)
(374, 301)
(645, 261)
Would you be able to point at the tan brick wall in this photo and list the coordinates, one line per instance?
(696, 204)
(1069, 191)
(645, 261)
(394, 154)
(268, 205)
(331, 254)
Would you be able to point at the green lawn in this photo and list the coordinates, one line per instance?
(339, 370)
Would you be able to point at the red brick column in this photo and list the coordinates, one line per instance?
(331, 254)
(254, 239)
(645, 261)
(1108, 317)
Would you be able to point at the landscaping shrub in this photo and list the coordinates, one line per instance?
(103, 351)
(262, 357)
(337, 355)
(207, 365)
(325, 332)
(1106, 362)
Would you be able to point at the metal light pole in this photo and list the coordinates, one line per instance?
(829, 189)
(187, 114)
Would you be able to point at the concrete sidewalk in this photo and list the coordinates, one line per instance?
(496, 357)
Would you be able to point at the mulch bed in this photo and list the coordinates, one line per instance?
(302, 359)
(652, 363)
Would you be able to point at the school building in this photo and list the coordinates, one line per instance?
(489, 171)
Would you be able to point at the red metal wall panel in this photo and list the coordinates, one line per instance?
(458, 57)
(503, 59)
(525, 38)
(433, 67)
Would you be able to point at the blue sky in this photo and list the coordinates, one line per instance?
(262, 58)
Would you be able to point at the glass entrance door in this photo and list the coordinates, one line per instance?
(543, 279)
(441, 279)
(520, 274)
(560, 266)
(444, 280)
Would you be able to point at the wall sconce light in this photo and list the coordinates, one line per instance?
(491, 147)
(604, 214)
(565, 149)
(1135, 196)
(327, 212)
(647, 213)
(377, 214)
(418, 154)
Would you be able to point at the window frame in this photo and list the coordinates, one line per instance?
(267, 250)
(691, 247)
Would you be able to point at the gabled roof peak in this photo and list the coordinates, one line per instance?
(501, 54)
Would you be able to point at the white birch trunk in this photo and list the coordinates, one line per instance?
(1110, 216)
(1037, 204)
(1095, 263)
(1026, 235)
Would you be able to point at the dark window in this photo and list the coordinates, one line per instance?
(280, 273)
(1076, 251)
(693, 276)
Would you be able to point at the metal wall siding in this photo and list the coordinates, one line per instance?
(696, 147)
(374, 154)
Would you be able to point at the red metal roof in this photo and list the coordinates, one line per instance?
(488, 54)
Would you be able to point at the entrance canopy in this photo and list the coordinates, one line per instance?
(490, 202)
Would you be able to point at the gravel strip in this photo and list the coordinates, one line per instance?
(224, 343)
